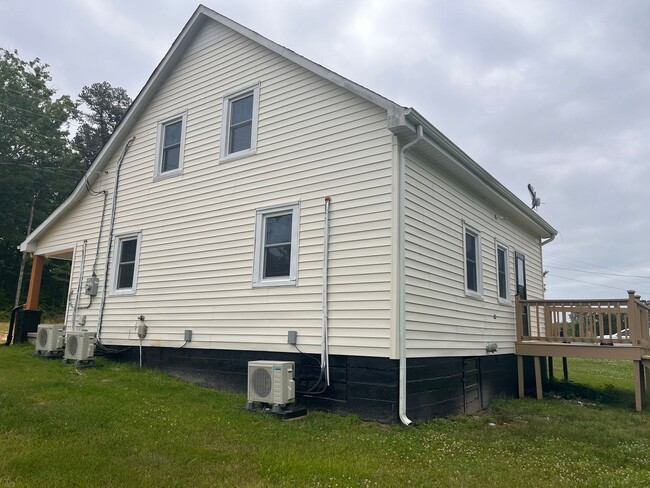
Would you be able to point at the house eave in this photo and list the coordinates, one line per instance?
(472, 173)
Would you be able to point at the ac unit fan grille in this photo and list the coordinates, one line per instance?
(72, 345)
(42, 337)
(261, 382)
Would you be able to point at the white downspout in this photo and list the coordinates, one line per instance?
(402, 276)
(109, 244)
(325, 364)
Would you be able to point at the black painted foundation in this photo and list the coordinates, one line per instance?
(365, 386)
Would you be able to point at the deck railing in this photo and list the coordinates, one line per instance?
(584, 321)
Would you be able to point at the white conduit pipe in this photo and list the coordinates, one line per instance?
(100, 316)
(81, 278)
(402, 276)
(324, 354)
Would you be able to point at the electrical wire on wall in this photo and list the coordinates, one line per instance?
(111, 226)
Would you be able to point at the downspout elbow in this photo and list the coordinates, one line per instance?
(549, 240)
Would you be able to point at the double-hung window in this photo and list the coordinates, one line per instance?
(239, 129)
(502, 273)
(276, 246)
(473, 275)
(125, 268)
(171, 141)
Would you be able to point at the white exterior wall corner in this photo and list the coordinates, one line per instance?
(315, 138)
(441, 319)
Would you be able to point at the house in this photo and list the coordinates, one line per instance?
(212, 206)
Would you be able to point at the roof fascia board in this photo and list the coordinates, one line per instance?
(121, 131)
(491, 185)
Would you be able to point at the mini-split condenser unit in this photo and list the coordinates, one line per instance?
(271, 382)
(79, 346)
(49, 340)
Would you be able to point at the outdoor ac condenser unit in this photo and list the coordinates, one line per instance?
(79, 346)
(49, 340)
(271, 382)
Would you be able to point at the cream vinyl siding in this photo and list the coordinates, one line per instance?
(198, 228)
(441, 319)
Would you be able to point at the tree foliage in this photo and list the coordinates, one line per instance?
(39, 164)
(103, 108)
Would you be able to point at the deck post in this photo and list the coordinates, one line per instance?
(538, 378)
(565, 368)
(633, 318)
(520, 376)
(639, 386)
(518, 319)
(551, 376)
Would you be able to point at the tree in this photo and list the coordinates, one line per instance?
(37, 163)
(105, 106)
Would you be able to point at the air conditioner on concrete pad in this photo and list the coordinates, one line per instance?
(49, 340)
(271, 382)
(80, 348)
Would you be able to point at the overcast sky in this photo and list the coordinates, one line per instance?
(553, 93)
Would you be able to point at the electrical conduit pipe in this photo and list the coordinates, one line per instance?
(100, 315)
(325, 364)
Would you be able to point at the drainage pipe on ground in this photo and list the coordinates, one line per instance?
(402, 275)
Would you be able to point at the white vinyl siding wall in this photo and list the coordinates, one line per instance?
(441, 319)
(198, 228)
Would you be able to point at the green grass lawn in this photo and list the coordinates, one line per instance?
(117, 425)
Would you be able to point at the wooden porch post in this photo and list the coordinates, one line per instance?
(520, 375)
(633, 318)
(639, 386)
(35, 283)
(565, 368)
(538, 378)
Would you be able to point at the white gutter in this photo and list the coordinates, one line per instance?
(402, 276)
(549, 240)
(100, 315)
(324, 359)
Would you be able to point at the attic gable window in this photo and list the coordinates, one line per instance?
(239, 128)
(170, 146)
(125, 264)
(473, 273)
(276, 246)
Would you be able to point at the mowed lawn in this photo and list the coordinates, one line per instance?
(117, 425)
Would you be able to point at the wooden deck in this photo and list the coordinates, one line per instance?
(599, 329)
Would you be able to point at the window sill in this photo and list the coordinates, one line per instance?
(507, 303)
(168, 174)
(474, 295)
(237, 155)
(269, 283)
(118, 293)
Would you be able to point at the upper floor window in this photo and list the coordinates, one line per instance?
(125, 270)
(473, 276)
(239, 129)
(502, 272)
(171, 142)
(276, 246)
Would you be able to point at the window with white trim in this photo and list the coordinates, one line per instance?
(502, 273)
(239, 127)
(473, 273)
(125, 268)
(276, 246)
(170, 146)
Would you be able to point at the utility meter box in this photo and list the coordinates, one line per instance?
(92, 284)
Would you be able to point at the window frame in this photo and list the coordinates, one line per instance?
(117, 246)
(225, 122)
(507, 300)
(261, 214)
(160, 135)
(478, 293)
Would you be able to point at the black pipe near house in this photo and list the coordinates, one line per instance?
(12, 325)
